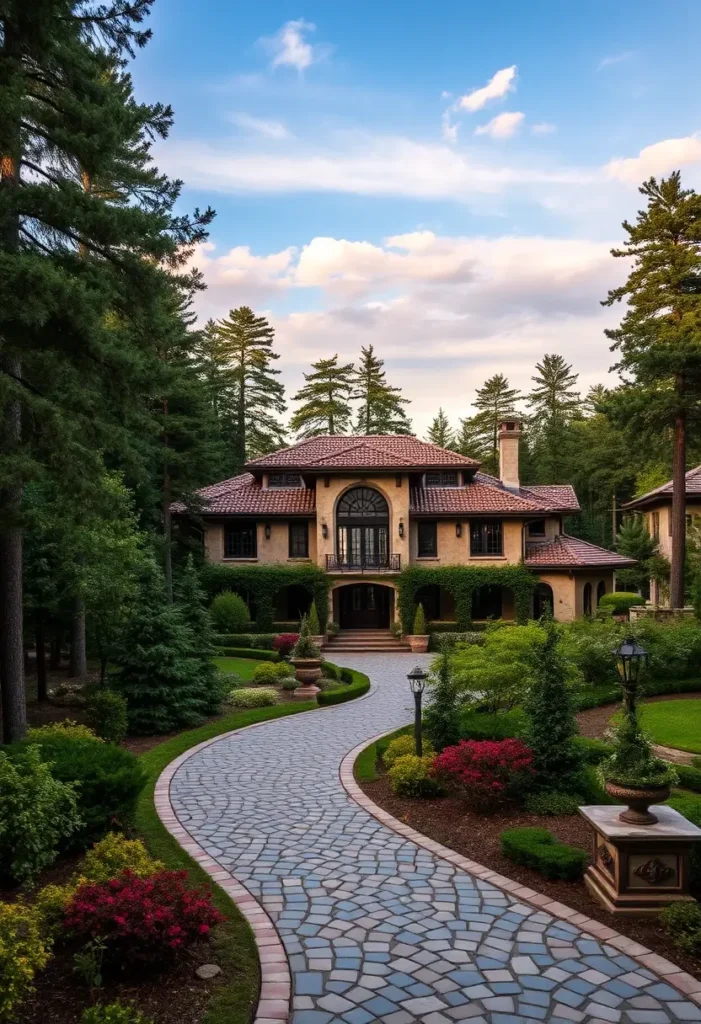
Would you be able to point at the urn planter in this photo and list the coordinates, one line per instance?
(418, 643)
(638, 800)
(307, 672)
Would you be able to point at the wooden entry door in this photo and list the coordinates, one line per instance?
(364, 606)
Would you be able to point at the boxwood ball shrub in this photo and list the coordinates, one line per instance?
(290, 683)
(413, 776)
(229, 613)
(486, 772)
(620, 602)
(38, 814)
(114, 1013)
(108, 781)
(402, 746)
(24, 950)
(107, 715)
(253, 698)
(539, 849)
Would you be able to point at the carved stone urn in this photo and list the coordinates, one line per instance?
(307, 672)
(638, 800)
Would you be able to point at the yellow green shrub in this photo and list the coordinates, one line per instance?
(24, 950)
(402, 746)
(411, 776)
(115, 854)
(61, 730)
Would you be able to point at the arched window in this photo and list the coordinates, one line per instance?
(430, 599)
(542, 599)
(600, 591)
(362, 529)
(362, 503)
(586, 599)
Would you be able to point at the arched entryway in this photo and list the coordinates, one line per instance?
(362, 529)
(365, 606)
(542, 599)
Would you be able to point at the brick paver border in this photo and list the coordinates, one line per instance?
(673, 975)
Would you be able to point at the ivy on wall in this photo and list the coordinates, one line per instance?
(461, 581)
(263, 583)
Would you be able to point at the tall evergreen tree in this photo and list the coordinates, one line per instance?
(469, 439)
(326, 399)
(554, 403)
(247, 344)
(493, 401)
(440, 432)
(659, 337)
(381, 404)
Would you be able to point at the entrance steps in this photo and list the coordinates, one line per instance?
(357, 641)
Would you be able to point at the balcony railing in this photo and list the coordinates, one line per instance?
(365, 563)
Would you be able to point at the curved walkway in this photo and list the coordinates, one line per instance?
(377, 927)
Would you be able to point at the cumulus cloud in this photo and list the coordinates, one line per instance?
(503, 126)
(261, 126)
(449, 131)
(543, 128)
(658, 159)
(498, 86)
(289, 46)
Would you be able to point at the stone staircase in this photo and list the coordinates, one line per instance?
(364, 641)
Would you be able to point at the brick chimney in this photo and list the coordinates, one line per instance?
(509, 434)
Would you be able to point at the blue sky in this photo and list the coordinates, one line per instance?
(443, 181)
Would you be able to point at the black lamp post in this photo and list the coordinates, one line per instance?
(631, 658)
(417, 680)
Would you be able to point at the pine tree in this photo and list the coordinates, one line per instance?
(326, 399)
(192, 602)
(493, 401)
(246, 342)
(554, 403)
(442, 717)
(440, 432)
(634, 541)
(469, 440)
(659, 338)
(380, 409)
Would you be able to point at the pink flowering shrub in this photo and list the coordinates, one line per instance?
(486, 772)
(284, 642)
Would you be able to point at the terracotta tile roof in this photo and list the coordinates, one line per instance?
(375, 451)
(241, 495)
(559, 497)
(693, 487)
(476, 497)
(565, 552)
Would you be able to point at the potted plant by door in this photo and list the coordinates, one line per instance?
(306, 658)
(418, 641)
(314, 628)
(634, 775)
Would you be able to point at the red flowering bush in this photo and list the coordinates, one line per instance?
(142, 918)
(284, 642)
(486, 771)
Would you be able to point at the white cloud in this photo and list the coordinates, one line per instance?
(503, 126)
(449, 131)
(290, 48)
(261, 126)
(658, 159)
(615, 58)
(498, 86)
(543, 128)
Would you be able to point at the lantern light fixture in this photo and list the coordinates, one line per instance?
(458, 529)
(417, 680)
(631, 658)
(267, 531)
(401, 528)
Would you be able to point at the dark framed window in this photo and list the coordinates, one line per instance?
(240, 540)
(442, 478)
(299, 540)
(600, 591)
(485, 537)
(284, 480)
(487, 603)
(362, 503)
(429, 597)
(586, 599)
(428, 540)
(536, 528)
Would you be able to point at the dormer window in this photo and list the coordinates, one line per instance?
(536, 528)
(284, 480)
(441, 478)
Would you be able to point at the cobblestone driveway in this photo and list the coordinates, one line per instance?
(376, 928)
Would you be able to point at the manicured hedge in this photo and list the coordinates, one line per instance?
(263, 583)
(620, 601)
(254, 653)
(359, 685)
(264, 641)
(444, 640)
(538, 849)
(689, 778)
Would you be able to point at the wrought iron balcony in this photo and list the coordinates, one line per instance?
(365, 563)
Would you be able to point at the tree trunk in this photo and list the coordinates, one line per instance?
(78, 665)
(676, 581)
(55, 650)
(40, 641)
(14, 709)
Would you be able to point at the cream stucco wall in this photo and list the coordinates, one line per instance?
(397, 499)
(563, 587)
(664, 512)
(594, 577)
(272, 549)
(454, 550)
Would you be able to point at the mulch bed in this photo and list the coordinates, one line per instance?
(448, 821)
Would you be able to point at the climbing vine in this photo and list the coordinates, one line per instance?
(263, 583)
(461, 581)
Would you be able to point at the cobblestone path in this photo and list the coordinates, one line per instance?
(376, 928)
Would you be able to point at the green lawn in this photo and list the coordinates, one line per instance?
(674, 723)
(243, 667)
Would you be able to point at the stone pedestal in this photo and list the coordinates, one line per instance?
(637, 870)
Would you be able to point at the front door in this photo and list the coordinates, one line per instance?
(364, 606)
(363, 547)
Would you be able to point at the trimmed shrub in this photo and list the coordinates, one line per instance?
(346, 675)
(328, 670)
(38, 813)
(412, 776)
(107, 714)
(24, 950)
(538, 849)
(445, 640)
(229, 613)
(551, 804)
(108, 778)
(313, 618)
(682, 922)
(253, 653)
(486, 772)
(250, 698)
(689, 778)
(419, 628)
(259, 641)
(356, 685)
(269, 673)
(66, 728)
(621, 601)
(402, 746)
(290, 683)
(142, 918)
(442, 716)
(114, 1013)
(115, 854)
(284, 643)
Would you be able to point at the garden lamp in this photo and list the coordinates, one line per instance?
(631, 658)
(417, 680)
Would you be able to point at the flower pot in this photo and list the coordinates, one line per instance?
(418, 644)
(319, 640)
(638, 799)
(307, 671)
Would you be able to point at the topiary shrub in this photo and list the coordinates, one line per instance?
(551, 804)
(620, 602)
(419, 621)
(38, 813)
(538, 849)
(305, 646)
(114, 1013)
(142, 919)
(109, 780)
(682, 922)
(229, 613)
(107, 714)
(412, 776)
(24, 950)
(250, 698)
(402, 746)
(314, 626)
(486, 772)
